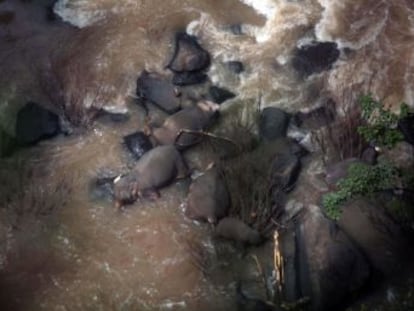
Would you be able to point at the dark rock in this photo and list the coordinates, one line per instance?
(378, 235)
(196, 118)
(189, 78)
(401, 155)
(370, 155)
(285, 171)
(35, 123)
(51, 16)
(159, 91)
(102, 187)
(154, 170)
(235, 66)
(245, 303)
(315, 57)
(236, 230)
(219, 95)
(8, 144)
(273, 123)
(329, 267)
(111, 117)
(188, 55)
(208, 198)
(137, 143)
(406, 126)
(316, 118)
(236, 29)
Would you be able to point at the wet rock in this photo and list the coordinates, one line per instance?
(273, 123)
(137, 143)
(245, 303)
(154, 170)
(285, 170)
(8, 144)
(107, 117)
(51, 16)
(236, 29)
(188, 55)
(153, 88)
(219, 95)
(101, 188)
(195, 118)
(378, 235)
(208, 198)
(316, 118)
(406, 126)
(189, 78)
(235, 66)
(329, 267)
(401, 155)
(35, 123)
(370, 155)
(236, 230)
(315, 57)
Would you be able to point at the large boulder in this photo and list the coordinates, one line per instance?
(8, 144)
(35, 123)
(315, 57)
(235, 66)
(379, 236)
(285, 171)
(153, 88)
(406, 126)
(273, 123)
(188, 55)
(219, 95)
(321, 262)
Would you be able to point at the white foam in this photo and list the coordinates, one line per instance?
(78, 14)
(328, 20)
(263, 7)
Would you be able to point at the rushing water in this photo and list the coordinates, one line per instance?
(85, 256)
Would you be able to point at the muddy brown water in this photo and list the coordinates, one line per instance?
(81, 254)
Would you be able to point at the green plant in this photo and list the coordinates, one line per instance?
(382, 123)
(362, 179)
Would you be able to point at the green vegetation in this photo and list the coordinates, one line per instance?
(382, 128)
(362, 179)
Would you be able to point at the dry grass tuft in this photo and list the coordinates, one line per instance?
(340, 140)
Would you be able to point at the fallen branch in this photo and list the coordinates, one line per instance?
(204, 134)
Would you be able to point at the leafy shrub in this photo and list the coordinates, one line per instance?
(382, 128)
(362, 179)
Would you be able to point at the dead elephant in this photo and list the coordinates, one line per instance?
(155, 169)
(196, 118)
(208, 198)
(236, 230)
